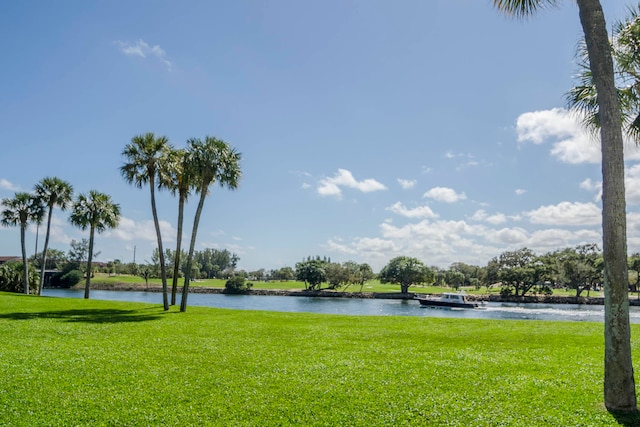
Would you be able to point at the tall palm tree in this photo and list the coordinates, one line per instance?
(211, 160)
(619, 384)
(97, 212)
(20, 211)
(174, 174)
(52, 191)
(143, 156)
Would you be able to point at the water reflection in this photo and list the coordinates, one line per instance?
(363, 307)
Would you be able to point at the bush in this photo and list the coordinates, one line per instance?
(11, 278)
(237, 285)
(70, 278)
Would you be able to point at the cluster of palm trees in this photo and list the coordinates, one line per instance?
(94, 210)
(151, 160)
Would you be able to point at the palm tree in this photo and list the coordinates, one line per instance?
(52, 191)
(97, 212)
(174, 175)
(21, 210)
(619, 384)
(143, 156)
(211, 160)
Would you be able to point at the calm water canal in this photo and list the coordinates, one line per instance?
(365, 307)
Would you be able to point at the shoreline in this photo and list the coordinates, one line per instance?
(530, 299)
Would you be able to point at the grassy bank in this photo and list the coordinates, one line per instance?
(370, 286)
(78, 362)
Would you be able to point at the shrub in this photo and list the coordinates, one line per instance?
(237, 285)
(11, 278)
(71, 278)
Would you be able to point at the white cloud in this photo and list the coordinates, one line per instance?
(143, 49)
(632, 184)
(407, 183)
(444, 194)
(417, 212)
(520, 191)
(129, 229)
(6, 185)
(571, 143)
(343, 178)
(566, 213)
(495, 219)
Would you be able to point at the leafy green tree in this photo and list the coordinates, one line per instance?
(284, 273)
(53, 192)
(23, 209)
(56, 259)
(405, 271)
(211, 161)
(619, 383)
(578, 268)
(312, 272)
(143, 156)
(518, 272)
(175, 175)
(97, 212)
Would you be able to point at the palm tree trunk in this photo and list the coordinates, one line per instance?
(25, 267)
(619, 385)
(176, 260)
(163, 269)
(192, 245)
(44, 251)
(89, 260)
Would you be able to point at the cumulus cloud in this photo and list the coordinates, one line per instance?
(6, 185)
(495, 219)
(343, 178)
(520, 191)
(570, 142)
(143, 50)
(417, 212)
(406, 184)
(566, 213)
(632, 184)
(129, 229)
(444, 194)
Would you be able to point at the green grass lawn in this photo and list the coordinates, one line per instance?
(370, 286)
(103, 363)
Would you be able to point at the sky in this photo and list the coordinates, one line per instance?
(368, 129)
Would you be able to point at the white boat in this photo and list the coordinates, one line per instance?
(451, 300)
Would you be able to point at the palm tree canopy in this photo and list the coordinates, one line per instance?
(53, 191)
(21, 210)
(523, 8)
(625, 51)
(213, 160)
(95, 210)
(174, 172)
(143, 154)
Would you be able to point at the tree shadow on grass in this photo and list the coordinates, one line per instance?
(629, 419)
(87, 315)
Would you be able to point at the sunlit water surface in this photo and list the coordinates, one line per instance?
(363, 307)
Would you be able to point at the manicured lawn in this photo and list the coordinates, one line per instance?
(90, 363)
(370, 286)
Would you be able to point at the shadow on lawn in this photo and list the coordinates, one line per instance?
(629, 419)
(87, 315)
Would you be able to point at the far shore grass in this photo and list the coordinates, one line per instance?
(105, 363)
(370, 286)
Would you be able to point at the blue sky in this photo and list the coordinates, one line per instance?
(368, 129)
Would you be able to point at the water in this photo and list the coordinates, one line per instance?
(364, 307)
